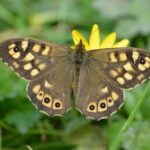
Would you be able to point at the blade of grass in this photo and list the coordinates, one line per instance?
(29, 147)
(128, 122)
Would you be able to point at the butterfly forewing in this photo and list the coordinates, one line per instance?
(125, 67)
(30, 58)
(47, 66)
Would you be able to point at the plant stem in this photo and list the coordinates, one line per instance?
(130, 119)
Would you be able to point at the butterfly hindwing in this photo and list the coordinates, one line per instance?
(52, 93)
(30, 58)
(47, 66)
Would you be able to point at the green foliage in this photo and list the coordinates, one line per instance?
(137, 136)
(22, 126)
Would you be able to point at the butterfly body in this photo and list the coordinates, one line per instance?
(96, 78)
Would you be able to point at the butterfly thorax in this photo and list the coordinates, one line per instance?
(79, 55)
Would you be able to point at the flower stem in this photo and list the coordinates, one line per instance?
(130, 119)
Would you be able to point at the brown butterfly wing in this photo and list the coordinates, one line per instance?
(97, 98)
(30, 58)
(103, 77)
(47, 66)
(52, 93)
(126, 67)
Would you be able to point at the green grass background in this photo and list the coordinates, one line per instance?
(52, 20)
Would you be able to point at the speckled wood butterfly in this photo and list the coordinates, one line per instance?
(96, 78)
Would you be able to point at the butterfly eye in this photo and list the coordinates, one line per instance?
(142, 61)
(16, 49)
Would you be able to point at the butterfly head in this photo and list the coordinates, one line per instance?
(80, 47)
(79, 55)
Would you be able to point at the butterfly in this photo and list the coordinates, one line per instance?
(56, 74)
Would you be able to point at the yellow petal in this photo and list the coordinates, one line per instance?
(109, 41)
(73, 46)
(77, 37)
(94, 41)
(122, 43)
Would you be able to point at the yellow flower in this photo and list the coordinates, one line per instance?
(95, 40)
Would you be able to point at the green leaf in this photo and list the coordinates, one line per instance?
(130, 119)
(133, 16)
(137, 136)
(12, 84)
(23, 120)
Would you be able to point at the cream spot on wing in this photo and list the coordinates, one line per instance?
(104, 90)
(114, 95)
(102, 105)
(29, 57)
(42, 66)
(141, 67)
(36, 61)
(36, 48)
(119, 69)
(24, 45)
(46, 50)
(120, 80)
(128, 76)
(34, 72)
(12, 52)
(114, 73)
(16, 55)
(147, 65)
(147, 59)
(27, 66)
(36, 88)
(16, 65)
(128, 67)
(110, 102)
(47, 101)
(47, 84)
(92, 107)
(135, 56)
(140, 77)
(122, 56)
(40, 95)
(11, 46)
(112, 57)
(57, 104)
